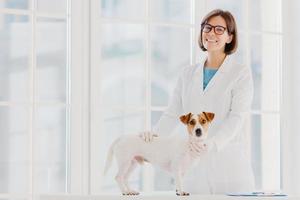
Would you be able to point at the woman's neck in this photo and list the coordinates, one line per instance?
(215, 60)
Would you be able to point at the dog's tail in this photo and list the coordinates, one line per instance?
(109, 157)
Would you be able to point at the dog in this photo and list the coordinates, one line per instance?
(170, 153)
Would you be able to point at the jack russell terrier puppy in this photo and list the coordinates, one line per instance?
(170, 153)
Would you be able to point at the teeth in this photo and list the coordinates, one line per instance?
(211, 40)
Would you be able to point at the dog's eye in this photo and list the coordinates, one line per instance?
(203, 121)
(192, 122)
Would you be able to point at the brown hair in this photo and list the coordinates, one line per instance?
(231, 29)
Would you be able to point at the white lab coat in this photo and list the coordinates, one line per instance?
(229, 95)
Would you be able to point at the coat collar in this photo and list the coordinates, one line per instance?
(223, 69)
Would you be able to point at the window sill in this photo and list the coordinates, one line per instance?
(155, 196)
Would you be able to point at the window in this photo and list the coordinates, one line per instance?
(34, 97)
(141, 54)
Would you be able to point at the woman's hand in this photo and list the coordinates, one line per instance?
(148, 136)
(210, 145)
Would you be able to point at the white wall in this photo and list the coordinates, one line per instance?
(291, 98)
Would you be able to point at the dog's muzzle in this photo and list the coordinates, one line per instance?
(198, 132)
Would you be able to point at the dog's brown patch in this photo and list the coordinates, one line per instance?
(209, 116)
(191, 124)
(185, 118)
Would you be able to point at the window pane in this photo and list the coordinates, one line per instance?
(15, 4)
(133, 9)
(265, 15)
(14, 152)
(115, 124)
(170, 53)
(265, 63)
(237, 9)
(50, 146)
(240, 54)
(155, 116)
(178, 11)
(57, 6)
(51, 60)
(123, 65)
(15, 41)
(266, 151)
(118, 122)
(162, 179)
(256, 149)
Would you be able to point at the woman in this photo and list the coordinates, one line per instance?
(219, 85)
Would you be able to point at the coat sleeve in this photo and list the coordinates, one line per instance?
(241, 100)
(170, 118)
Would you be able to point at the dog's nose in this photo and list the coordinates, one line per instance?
(198, 132)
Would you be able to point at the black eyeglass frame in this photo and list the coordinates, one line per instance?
(213, 27)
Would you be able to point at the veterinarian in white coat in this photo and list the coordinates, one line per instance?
(225, 166)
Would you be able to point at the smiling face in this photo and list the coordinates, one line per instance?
(213, 40)
(197, 125)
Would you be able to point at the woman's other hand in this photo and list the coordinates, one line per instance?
(148, 136)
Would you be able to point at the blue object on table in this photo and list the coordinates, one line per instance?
(258, 194)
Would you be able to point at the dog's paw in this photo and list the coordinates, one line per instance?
(182, 193)
(131, 192)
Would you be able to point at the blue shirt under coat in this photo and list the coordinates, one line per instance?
(208, 74)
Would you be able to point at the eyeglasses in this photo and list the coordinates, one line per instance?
(219, 30)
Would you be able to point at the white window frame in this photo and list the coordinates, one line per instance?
(77, 103)
(79, 168)
(271, 176)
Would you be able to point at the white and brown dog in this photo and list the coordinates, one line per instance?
(171, 153)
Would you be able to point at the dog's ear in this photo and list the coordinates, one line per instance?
(209, 116)
(185, 118)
